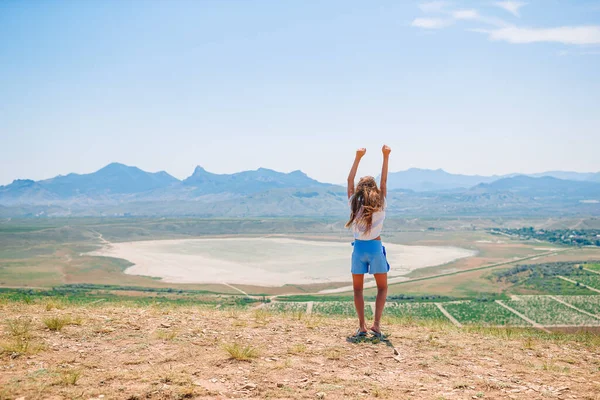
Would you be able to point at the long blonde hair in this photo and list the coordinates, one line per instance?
(364, 202)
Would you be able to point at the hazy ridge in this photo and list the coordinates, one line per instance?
(118, 189)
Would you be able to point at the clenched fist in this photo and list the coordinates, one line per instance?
(361, 152)
(386, 150)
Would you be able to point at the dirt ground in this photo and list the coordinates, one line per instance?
(159, 352)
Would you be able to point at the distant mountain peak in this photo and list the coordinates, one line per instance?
(115, 166)
(23, 182)
(199, 169)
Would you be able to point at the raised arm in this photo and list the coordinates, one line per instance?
(359, 154)
(386, 150)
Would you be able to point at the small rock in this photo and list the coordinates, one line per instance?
(165, 324)
(365, 391)
(280, 385)
(562, 389)
(396, 352)
(20, 398)
(320, 395)
(249, 386)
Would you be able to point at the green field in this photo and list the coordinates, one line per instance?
(286, 307)
(554, 285)
(427, 311)
(339, 308)
(547, 311)
(483, 313)
(590, 304)
(593, 266)
(590, 279)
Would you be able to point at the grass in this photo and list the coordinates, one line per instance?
(333, 353)
(20, 338)
(167, 335)
(19, 346)
(239, 352)
(69, 377)
(54, 304)
(298, 348)
(262, 317)
(19, 327)
(314, 321)
(56, 323)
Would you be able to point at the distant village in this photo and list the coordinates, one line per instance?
(569, 237)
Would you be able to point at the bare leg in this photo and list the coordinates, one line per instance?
(381, 280)
(359, 301)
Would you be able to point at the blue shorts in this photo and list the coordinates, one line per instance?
(369, 257)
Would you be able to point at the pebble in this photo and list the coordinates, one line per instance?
(320, 395)
(249, 386)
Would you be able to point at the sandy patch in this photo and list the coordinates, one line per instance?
(263, 261)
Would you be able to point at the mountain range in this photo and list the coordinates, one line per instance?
(425, 180)
(119, 189)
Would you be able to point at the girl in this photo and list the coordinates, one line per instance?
(367, 212)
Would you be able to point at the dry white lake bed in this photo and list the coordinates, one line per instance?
(263, 261)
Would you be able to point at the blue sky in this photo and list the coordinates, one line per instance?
(480, 87)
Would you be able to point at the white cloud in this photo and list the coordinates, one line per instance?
(579, 35)
(511, 6)
(499, 30)
(465, 14)
(433, 6)
(431, 23)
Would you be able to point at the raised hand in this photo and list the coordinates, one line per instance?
(386, 150)
(361, 152)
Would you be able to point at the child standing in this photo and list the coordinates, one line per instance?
(367, 212)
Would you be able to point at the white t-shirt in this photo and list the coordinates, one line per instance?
(378, 217)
